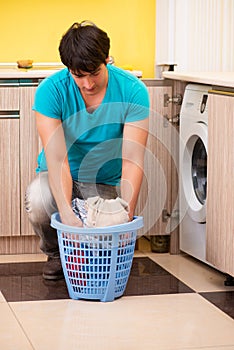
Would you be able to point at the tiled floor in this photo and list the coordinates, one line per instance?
(171, 302)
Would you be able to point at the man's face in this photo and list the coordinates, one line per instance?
(91, 83)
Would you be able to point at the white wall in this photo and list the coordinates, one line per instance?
(197, 35)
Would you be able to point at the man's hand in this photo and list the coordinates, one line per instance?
(70, 219)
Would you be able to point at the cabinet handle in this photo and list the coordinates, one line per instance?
(29, 82)
(20, 82)
(9, 83)
(9, 115)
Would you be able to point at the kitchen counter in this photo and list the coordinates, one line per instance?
(25, 73)
(225, 79)
(39, 70)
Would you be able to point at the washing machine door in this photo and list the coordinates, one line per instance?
(194, 171)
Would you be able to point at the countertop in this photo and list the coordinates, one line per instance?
(24, 74)
(225, 79)
(40, 71)
(11, 71)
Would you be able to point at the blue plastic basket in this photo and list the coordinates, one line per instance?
(96, 261)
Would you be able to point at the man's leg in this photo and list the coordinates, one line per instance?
(40, 204)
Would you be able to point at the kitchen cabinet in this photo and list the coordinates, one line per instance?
(19, 147)
(29, 149)
(220, 193)
(158, 198)
(9, 161)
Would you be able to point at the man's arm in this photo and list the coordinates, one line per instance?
(52, 136)
(134, 141)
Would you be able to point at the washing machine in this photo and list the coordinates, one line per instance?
(193, 153)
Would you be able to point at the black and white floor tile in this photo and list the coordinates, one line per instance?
(171, 302)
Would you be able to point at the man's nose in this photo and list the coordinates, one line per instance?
(88, 82)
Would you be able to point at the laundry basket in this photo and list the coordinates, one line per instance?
(96, 261)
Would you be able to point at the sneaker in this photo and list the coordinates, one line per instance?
(53, 269)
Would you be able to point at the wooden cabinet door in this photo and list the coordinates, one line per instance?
(29, 148)
(155, 194)
(9, 97)
(220, 182)
(9, 162)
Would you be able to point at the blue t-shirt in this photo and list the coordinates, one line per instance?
(93, 140)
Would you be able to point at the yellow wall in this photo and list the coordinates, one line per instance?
(32, 29)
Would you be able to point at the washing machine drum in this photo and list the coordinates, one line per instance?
(194, 171)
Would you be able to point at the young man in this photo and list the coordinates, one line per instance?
(92, 119)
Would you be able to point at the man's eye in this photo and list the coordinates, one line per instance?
(77, 75)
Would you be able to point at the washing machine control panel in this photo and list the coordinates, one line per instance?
(195, 101)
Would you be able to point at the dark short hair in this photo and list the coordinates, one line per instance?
(84, 47)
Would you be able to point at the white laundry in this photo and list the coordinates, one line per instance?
(99, 212)
(106, 212)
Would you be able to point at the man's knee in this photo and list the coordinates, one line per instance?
(39, 202)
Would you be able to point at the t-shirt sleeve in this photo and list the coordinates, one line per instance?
(47, 100)
(139, 103)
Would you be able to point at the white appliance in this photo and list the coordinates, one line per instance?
(193, 170)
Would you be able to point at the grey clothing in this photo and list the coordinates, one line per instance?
(40, 205)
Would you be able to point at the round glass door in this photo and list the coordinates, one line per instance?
(199, 170)
(193, 165)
